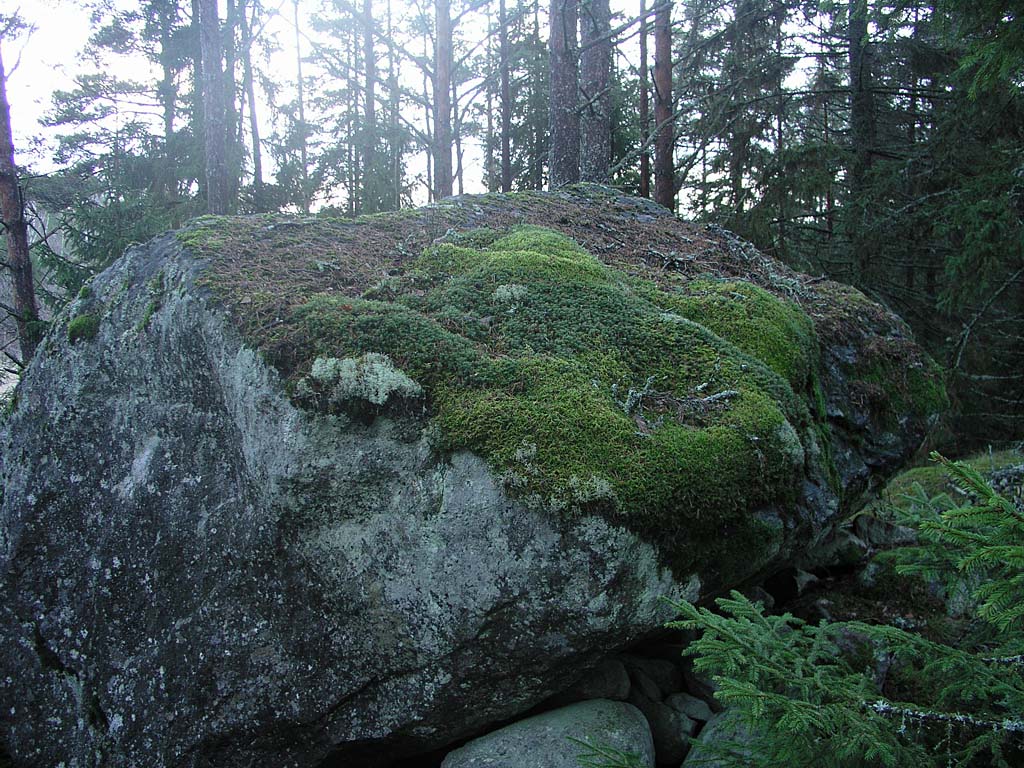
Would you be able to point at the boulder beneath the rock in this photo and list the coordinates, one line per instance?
(278, 489)
(552, 739)
(724, 741)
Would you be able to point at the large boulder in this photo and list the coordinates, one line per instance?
(278, 489)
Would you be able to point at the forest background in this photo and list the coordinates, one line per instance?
(872, 142)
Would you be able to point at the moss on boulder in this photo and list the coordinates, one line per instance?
(607, 373)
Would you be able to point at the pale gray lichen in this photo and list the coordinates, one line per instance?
(371, 377)
(590, 489)
(511, 293)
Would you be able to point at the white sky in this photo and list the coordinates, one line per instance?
(48, 58)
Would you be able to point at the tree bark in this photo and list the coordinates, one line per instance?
(304, 196)
(198, 117)
(563, 56)
(258, 191)
(596, 65)
(12, 209)
(232, 126)
(167, 93)
(862, 134)
(645, 107)
(442, 99)
(371, 179)
(664, 162)
(506, 100)
(215, 133)
(395, 141)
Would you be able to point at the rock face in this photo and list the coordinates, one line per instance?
(278, 490)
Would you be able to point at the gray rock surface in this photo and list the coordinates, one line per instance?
(725, 736)
(691, 706)
(196, 572)
(670, 729)
(543, 741)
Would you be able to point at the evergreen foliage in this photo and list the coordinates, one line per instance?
(856, 694)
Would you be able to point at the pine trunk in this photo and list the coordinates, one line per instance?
(395, 142)
(258, 191)
(645, 108)
(442, 100)
(596, 65)
(215, 133)
(371, 184)
(664, 163)
(563, 55)
(12, 209)
(304, 196)
(232, 125)
(862, 134)
(506, 101)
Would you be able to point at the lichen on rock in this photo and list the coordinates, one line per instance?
(371, 377)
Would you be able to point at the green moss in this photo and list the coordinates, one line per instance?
(776, 332)
(84, 292)
(206, 233)
(83, 328)
(579, 388)
(891, 387)
(8, 403)
(934, 480)
(155, 288)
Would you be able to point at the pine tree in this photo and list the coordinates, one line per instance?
(813, 693)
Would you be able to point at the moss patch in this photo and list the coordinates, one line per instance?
(775, 331)
(83, 328)
(577, 386)
(934, 479)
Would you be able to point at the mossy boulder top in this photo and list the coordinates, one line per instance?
(278, 487)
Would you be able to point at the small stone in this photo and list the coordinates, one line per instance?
(545, 741)
(664, 674)
(670, 729)
(691, 706)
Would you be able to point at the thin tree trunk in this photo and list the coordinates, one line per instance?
(780, 138)
(12, 209)
(168, 95)
(428, 117)
(304, 196)
(563, 51)
(457, 134)
(596, 65)
(862, 135)
(395, 144)
(354, 177)
(371, 182)
(215, 133)
(258, 191)
(490, 166)
(506, 100)
(645, 108)
(442, 99)
(198, 116)
(233, 148)
(664, 162)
